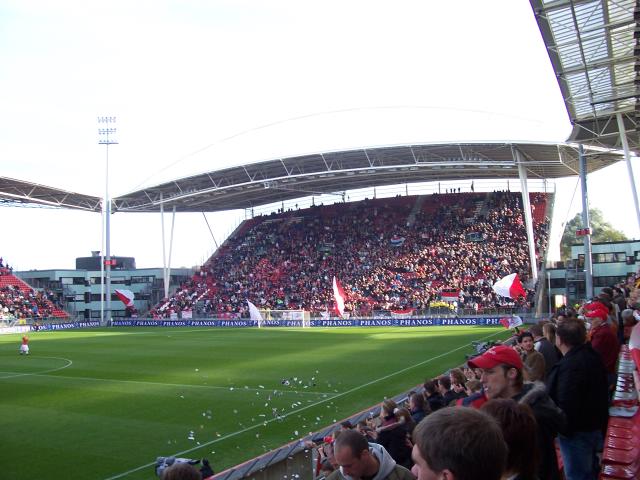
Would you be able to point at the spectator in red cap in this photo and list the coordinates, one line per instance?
(502, 377)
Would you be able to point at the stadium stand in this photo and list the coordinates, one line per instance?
(621, 455)
(19, 301)
(391, 254)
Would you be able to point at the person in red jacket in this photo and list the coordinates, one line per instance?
(604, 341)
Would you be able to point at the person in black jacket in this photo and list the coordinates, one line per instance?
(578, 385)
(206, 471)
(444, 386)
(432, 396)
(393, 434)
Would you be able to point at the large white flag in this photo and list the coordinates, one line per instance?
(125, 296)
(509, 286)
(254, 313)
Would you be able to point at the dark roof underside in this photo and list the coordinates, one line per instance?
(257, 184)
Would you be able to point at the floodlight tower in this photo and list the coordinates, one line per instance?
(106, 137)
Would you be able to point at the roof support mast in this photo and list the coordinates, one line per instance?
(166, 266)
(586, 224)
(106, 139)
(526, 207)
(627, 157)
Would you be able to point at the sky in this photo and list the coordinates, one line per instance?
(201, 85)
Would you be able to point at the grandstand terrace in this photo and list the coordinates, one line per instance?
(391, 254)
(398, 254)
(18, 301)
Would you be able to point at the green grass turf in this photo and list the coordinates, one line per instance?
(93, 404)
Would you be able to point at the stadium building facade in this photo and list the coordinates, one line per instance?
(79, 290)
(613, 262)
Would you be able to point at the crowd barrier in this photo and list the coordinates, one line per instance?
(247, 323)
(369, 322)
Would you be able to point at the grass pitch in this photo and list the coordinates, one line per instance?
(103, 404)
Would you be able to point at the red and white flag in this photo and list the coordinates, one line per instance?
(126, 297)
(509, 286)
(511, 322)
(634, 345)
(450, 295)
(339, 296)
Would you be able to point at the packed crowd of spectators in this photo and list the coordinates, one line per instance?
(551, 385)
(16, 303)
(387, 255)
(19, 301)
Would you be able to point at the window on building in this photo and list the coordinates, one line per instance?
(607, 281)
(141, 279)
(610, 257)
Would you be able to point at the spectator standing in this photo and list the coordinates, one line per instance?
(418, 407)
(519, 430)
(459, 444)
(534, 366)
(359, 459)
(432, 395)
(604, 341)
(458, 381)
(502, 377)
(578, 384)
(548, 349)
(444, 387)
(629, 322)
(393, 434)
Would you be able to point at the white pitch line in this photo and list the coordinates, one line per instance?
(252, 427)
(179, 385)
(69, 363)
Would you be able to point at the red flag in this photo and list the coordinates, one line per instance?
(509, 286)
(511, 322)
(339, 296)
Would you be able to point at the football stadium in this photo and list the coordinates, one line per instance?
(366, 294)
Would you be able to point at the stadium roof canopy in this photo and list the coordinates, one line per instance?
(594, 46)
(255, 184)
(21, 193)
